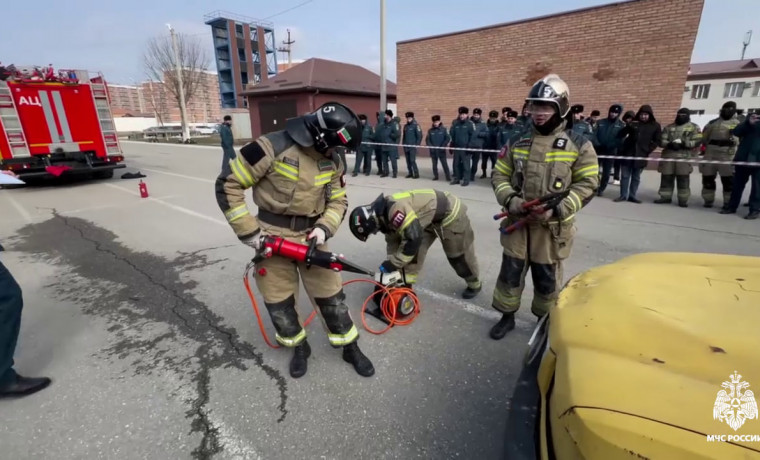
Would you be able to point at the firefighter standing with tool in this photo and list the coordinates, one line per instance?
(545, 158)
(299, 188)
(679, 141)
(411, 222)
(720, 144)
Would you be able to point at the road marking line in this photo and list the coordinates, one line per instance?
(470, 307)
(199, 179)
(24, 213)
(164, 144)
(175, 207)
(108, 206)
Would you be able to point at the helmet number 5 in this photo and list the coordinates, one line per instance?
(328, 109)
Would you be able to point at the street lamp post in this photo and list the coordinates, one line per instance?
(383, 96)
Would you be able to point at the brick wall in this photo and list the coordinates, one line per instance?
(639, 54)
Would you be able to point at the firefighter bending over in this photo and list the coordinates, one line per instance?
(411, 222)
(299, 188)
(545, 158)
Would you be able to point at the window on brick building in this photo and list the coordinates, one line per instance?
(735, 89)
(756, 91)
(700, 91)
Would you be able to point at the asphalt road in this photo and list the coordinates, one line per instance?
(136, 309)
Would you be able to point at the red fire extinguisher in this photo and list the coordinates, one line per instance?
(143, 190)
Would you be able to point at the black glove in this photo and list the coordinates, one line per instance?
(387, 267)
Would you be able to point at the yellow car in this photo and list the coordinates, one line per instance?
(656, 356)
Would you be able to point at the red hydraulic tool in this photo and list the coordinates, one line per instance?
(537, 206)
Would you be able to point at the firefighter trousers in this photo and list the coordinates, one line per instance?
(540, 248)
(11, 304)
(673, 173)
(710, 174)
(458, 241)
(277, 279)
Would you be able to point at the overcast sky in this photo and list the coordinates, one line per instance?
(96, 35)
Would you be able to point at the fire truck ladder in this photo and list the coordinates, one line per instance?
(11, 124)
(103, 106)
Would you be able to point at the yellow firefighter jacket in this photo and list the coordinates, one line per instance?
(286, 179)
(408, 214)
(532, 165)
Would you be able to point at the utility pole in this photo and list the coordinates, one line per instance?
(383, 102)
(287, 50)
(747, 39)
(178, 67)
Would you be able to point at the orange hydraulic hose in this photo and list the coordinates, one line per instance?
(388, 305)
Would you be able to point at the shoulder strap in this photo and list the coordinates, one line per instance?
(280, 141)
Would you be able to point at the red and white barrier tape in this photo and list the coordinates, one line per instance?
(693, 160)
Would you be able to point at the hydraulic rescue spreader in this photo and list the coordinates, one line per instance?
(396, 304)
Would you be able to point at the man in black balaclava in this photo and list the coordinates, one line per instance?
(720, 145)
(679, 141)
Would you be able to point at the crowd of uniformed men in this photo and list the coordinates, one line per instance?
(623, 134)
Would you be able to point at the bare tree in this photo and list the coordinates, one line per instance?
(160, 64)
(157, 105)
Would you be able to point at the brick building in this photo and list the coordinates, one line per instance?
(631, 52)
(204, 107)
(128, 99)
(307, 85)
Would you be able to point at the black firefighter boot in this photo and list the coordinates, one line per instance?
(298, 363)
(505, 324)
(353, 355)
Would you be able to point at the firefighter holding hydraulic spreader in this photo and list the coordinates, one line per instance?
(299, 188)
(547, 158)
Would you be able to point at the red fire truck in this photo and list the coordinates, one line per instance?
(57, 126)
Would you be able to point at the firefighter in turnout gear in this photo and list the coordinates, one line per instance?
(298, 186)
(679, 140)
(720, 145)
(411, 222)
(545, 158)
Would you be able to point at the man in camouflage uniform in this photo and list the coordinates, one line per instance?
(411, 222)
(412, 136)
(679, 140)
(720, 145)
(299, 188)
(545, 158)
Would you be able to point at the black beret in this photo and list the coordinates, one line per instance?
(577, 108)
(506, 109)
(464, 109)
(362, 116)
(477, 111)
(595, 113)
(409, 114)
(436, 118)
(493, 114)
(512, 114)
(389, 113)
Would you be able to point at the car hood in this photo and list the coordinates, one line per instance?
(655, 335)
